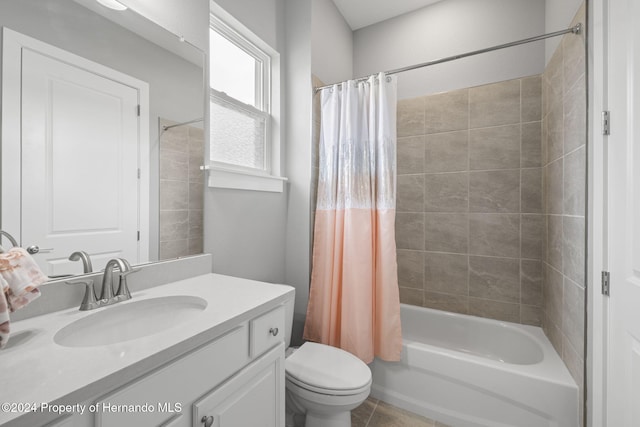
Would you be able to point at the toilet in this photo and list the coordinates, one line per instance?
(323, 383)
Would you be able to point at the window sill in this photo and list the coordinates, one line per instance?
(244, 180)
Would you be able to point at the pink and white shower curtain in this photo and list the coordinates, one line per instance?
(354, 297)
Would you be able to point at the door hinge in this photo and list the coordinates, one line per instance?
(138, 110)
(606, 123)
(606, 283)
(138, 236)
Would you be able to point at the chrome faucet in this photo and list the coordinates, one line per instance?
(122, 293)
(107, 296)
(86, 260)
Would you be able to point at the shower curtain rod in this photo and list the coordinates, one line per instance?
(182, 124)
(577, 29)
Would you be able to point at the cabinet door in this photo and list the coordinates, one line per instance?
(158, 398)
(254, 397)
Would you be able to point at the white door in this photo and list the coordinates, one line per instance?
(623, 336)
(73, 147)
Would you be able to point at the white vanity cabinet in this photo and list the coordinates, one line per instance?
(225, 367)
(236, 380)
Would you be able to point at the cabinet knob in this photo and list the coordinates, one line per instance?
(273, 331)
(207, 421)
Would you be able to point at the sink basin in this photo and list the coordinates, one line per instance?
(130, 320)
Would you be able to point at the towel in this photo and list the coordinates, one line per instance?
(4, 313)
(20, 277)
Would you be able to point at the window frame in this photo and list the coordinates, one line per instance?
(229, 175)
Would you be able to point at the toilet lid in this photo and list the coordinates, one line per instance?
(327, 368)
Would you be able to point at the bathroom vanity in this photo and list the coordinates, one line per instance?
(204, 351)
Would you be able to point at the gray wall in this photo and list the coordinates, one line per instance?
(448, 28)
(245, 230)
(331, 43)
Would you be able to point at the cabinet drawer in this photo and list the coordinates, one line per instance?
(267, 331)
(169, 391)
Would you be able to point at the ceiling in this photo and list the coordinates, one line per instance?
(360, 13)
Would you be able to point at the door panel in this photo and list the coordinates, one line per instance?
(76, 123)
(623, 182)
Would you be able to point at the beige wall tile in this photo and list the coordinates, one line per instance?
(494, 191)
(531, 108)
(494, 148)
(555, 134)
(174, 165)
(574, 51)
(575, 181)
(554, 241)
(552, 331)
(532, 228)
(573, 248)
(508, 312)
(552, 293)
(410, 230)
(530, 315)
(531, 282)
(174, 225)
(411, 296)
(446, 152)
(494, 235)
(447, 302)
(446, 273)
(446, 232)
(410, 269)
(174, 195)
(575, 117)
(573, 314)
(411, 155)
(196, 219)
(411, 117)
(531, 147)
(494, 278)
(554, 76)
(447, 192)
(447, 111)
(174, 248)
(495, 104)
(410, 193)
(531, 190)
(553, 186)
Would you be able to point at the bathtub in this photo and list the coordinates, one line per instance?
(468, 371)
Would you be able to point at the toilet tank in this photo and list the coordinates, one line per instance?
(288, 312)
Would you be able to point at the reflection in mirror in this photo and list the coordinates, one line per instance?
(181, 189)
(84, 91)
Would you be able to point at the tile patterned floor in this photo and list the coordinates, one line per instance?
(376, 413)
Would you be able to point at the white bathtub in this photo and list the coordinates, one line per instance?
(468, 371)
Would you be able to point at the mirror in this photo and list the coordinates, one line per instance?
(168, 188)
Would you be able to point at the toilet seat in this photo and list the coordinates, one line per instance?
(327, 370)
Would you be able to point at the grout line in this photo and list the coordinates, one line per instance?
(371, 415)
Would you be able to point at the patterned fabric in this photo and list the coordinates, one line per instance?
(354, 296)
(20, 277)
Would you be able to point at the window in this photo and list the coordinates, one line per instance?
(241, 138)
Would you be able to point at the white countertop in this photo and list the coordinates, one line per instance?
(37, 370)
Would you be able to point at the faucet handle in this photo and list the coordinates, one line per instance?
(123, 292)
(89, 301)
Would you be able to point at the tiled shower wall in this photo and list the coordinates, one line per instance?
(564, 142)
(470, 220)
(181, 190)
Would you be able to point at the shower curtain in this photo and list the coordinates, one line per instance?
(354, 297)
